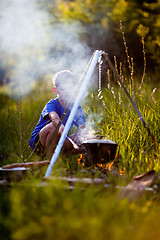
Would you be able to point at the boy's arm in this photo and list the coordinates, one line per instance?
(55, 119)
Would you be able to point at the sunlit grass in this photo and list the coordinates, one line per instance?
(50, 211)
(38, 209)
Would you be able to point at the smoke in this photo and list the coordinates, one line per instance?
(90, 130)
(30, 46)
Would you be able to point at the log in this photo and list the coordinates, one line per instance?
(27, 164)
(72, 180)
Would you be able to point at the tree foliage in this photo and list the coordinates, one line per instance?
(140, 19)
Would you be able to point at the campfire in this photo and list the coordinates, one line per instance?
(108, 166)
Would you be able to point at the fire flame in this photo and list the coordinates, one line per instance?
(122, 172)
(80, 159)
(108, 166)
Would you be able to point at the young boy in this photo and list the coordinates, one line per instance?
(64, 84)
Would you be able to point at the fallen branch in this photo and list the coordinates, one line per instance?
(28, 164)
(72, 180)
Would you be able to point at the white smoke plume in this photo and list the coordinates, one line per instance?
(90, 130)
(31, 47)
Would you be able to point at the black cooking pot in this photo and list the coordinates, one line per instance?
(99, 151)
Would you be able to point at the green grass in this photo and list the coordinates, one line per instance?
(36, 209)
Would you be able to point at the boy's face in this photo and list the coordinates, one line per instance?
(65, 93)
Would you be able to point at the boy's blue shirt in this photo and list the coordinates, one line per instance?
(54, 106)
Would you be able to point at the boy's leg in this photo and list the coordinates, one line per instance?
(45, 135)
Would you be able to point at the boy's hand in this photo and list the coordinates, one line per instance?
(61, 129)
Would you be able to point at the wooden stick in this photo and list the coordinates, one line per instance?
(28, 164)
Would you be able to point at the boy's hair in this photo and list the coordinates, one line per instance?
(63, 78)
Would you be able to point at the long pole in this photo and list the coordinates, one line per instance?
(73, 112)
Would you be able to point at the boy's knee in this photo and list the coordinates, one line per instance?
(51, 127)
